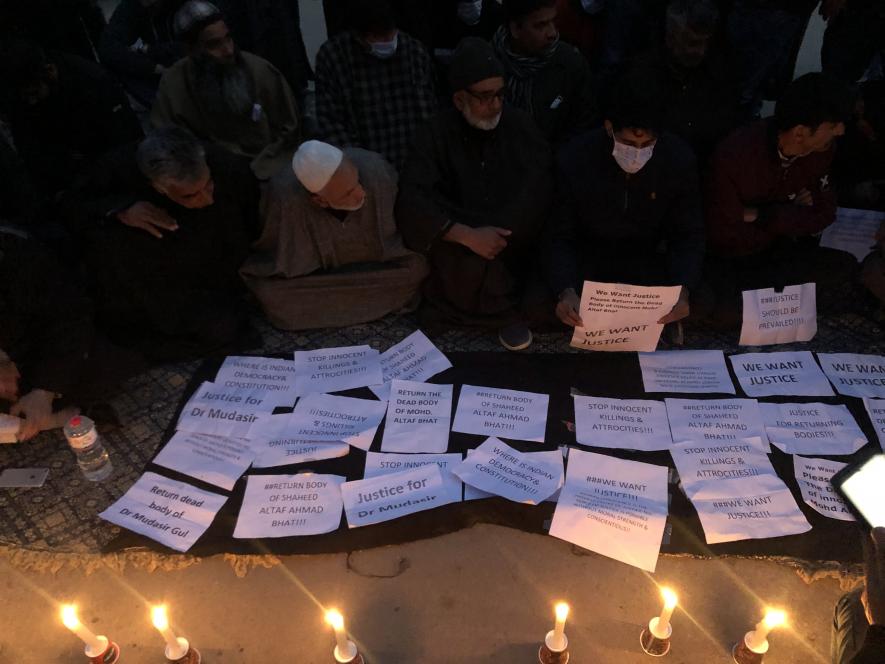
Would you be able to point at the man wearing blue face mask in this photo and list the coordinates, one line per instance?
(374, 84)
(628, 207)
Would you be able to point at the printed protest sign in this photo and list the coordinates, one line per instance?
(813, 477)
(273, 377)
(336, 369)
(632, 424)
(274, 445)
(414, 358)
(701, 371)
(512, 414)
(853, 231)
(788, 373)
(700, 462)
(328, 418)
(716, 420)
(855, 375)
(382, 463)
(218, 460)
(812, 428)
(391, 496)
(772, 317)
(418, 417)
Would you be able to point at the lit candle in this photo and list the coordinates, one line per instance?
(758, 637)
(175, 648)
(670, 601)
(561, 610)
(96, 644)
(345, 649)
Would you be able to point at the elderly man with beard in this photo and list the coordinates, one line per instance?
(227, 96)
(329, 254)
(473, 196)
(546, 77)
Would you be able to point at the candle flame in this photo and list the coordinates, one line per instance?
(159, 617)
(670, 598)
(774, 618)
(69, 616)
(335, 619)
(561, 610)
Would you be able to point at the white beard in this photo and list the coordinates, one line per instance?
(477, 123)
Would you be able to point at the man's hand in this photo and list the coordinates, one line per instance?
(148, 218)
(751, 214)
(831, 8)
(804, 198)
(9, 376)
(874, 568)
(485, 241)
(679, 311)
(567, 308)
(36, 410)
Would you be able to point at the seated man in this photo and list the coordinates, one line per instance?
(546, 78)
(473, 197)
(859, 164)
(329, 254)
(227, 96)
(167, 228)
(769, 195)
(628, 206)
(51, 359)
(65, 111)
(374, 84)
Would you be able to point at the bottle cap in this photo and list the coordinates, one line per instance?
(75, 421)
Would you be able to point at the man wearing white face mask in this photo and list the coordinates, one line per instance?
(628, 208)
(329, 254)
(473, 197)
(374, 84)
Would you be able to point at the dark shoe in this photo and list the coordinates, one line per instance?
(515, 337)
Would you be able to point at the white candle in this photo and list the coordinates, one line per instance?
(175, 648)
(561, 611)
(72, 622)
(772, 619)
(670, 601)
(336, 620)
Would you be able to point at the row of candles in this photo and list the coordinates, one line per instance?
(655, 638)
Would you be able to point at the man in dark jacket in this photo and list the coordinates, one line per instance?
(473, 196)
(769, 194)
(546, 78)
(628, 205)
(168, 228)
(66, 111)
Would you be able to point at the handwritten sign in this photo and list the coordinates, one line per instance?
(336, 369)
(274, 378)
(701, 462)
(779, 318)
(631, 424)
(327, 418)
(380, 463)
(614, 507)
(813, 477)
(512, 414)
(789, 373)
(716, 420)
(218, 460)
(620, 317)
(395, 495)
(853, 231)
(812, 428)
(855, 375)
(274, 446)
(414, 358)
(748, 508)
(876, 411)
(418, 417)
(497, 468)
(290, 505)
(172, 513)
(701, 371)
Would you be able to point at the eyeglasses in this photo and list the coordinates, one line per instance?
(486, 97)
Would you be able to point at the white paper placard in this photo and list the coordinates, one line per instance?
(218, 460)
(792, 373)
(381, 463)
(614, 507)
(702, 371)
(290, 505)
(419, 416)
(853, 231)
(779, 318)
(231, 420)
(497, 468)
(391, 496)
(631, 424)
(246, 399)
(812, 428)
(327, 418)
(274, 446)
(622, 317)
(336, 369)
(716, 420)
(813, 477)
(855, 375)
(172, 513)
(272, 376)
(472, 493)
(489, 411)
(699, 463)
(876, 411)
(414, 358)
(748, 508)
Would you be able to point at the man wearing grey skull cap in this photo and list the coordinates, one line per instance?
(227, 96)
(329, 254)
(473, 196)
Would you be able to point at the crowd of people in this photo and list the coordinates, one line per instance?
(476, 161)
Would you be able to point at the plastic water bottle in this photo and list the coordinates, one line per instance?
(91, 455)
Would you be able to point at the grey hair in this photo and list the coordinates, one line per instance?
(699, 16)
(171, 154)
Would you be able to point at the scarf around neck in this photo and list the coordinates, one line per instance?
(520, 69)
